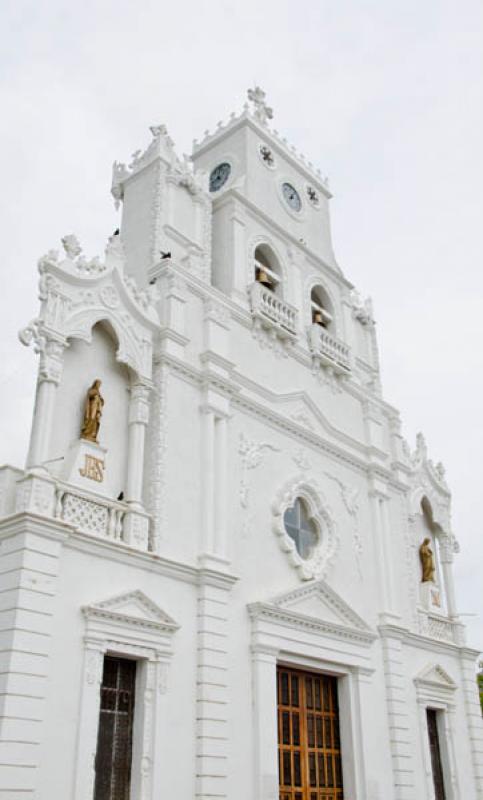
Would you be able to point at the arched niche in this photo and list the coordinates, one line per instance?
(85, 360)
(432, 530)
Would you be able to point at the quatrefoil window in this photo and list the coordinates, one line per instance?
(305, 527)
(300, 528)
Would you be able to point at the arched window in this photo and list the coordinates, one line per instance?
(267, 269)
(321, 307)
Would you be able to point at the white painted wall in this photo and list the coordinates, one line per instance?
(287, 420)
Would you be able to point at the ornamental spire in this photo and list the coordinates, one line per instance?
(262, 111)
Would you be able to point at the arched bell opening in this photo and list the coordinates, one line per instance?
(321, 308)
(267, 269)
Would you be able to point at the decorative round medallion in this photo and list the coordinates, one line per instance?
(266, 155)
(109, 296)
(312, 196)
(219, 176)
(291, 197)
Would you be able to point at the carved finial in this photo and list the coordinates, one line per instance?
(262, 112)
(114, 250)
(71, 245)
(158, 130)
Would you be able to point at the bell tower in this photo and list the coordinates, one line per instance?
(262, 190)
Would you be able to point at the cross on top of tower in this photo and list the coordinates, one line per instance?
(262, 112)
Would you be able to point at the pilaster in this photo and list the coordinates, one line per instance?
(212, 695)
(473, 716)
(397, 708)
(265, 735)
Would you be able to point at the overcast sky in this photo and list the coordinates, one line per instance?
(386, 97)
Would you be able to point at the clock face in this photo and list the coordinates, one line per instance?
(219, 176)
(291, 196)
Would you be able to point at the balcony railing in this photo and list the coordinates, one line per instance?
(97, 517)
(329, 349)
(272, 311)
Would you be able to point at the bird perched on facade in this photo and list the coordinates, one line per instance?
(165, 255)
(116, 232)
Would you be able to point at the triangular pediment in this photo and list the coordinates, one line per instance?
(135, 606)
(321, 601)
(434, 675)
(316, 605)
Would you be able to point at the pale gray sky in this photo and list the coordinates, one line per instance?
(386, 97)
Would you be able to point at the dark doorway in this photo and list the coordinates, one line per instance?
(437, 767)
(114, 740)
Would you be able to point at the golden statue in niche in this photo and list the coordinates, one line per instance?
(92, 412)
(427, 561)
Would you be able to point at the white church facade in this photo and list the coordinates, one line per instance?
(223, 572)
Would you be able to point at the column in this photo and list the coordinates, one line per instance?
(29, 566)
(208, 478)
(448, 717)
(136, 524)
(265, 740)
(446, 560)
(426, 753)
(214, 478)
(50, 371)
(220, 486)
(379, 501)
(138, 419)
(89, 718)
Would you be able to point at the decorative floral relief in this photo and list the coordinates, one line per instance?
(326, 376)
(362, 309)
(268, 340)
(252, 454)
(301, 459)
(350, 498)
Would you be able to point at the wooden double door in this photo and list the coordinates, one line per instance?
(309, 752)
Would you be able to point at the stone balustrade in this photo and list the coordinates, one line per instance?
(87, 512)
(271, 310)
(98, 517)
(328, 349)
(437, 627)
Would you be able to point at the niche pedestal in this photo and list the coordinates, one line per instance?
(85, 467)
(430, 596)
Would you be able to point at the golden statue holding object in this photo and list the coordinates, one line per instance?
(427, 561)
(92, 412)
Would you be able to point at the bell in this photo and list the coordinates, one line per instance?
(263, 278)
(318, 319)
